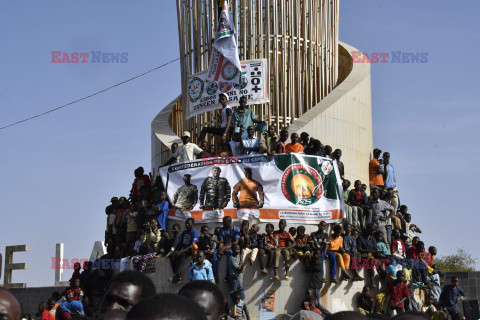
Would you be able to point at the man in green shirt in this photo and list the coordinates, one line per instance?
(244, 117)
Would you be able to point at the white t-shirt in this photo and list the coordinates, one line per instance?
(111, 222)
(187, 152)
(225, 115)
(400, 250)
(251, 143)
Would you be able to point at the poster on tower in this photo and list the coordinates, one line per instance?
(294, 187)
(202, 94)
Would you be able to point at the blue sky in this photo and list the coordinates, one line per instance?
(59, 171)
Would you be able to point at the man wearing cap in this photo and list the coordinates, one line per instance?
(188, 150)
(248, 189)
(186, 197)
(215, 191)
(110, 208)
(226, 125)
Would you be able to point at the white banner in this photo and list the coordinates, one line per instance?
(294, 187)
(203, 94)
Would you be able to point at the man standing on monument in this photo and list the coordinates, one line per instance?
(244, 117)
(215, 191)
(187, 151)
(225, 126)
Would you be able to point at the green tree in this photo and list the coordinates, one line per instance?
(460, 261)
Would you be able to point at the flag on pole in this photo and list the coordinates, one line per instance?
(225, 62)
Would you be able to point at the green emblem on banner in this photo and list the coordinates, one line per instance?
(195, 89)
(302, 184)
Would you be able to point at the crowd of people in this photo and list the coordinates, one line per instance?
(377, 236)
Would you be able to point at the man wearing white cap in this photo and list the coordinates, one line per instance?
(226, 125)
(188, 150)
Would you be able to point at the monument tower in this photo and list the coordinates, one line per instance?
(313, 86)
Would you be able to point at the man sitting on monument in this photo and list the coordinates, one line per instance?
(225, 128)
(315, 148)
(294, 146)
(189, 247)
(268, 140)
(367, 246)
(228, 236)
(244, 117)
(250, 144)
(305, 140)
(282, 248)
(236, 144)
(215, 191)
(280, 146)
(248, 189)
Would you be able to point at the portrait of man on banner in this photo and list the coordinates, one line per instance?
(248, 189)
(186, 197)
(215, 191)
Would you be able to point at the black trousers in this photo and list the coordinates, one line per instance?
(176, 260)
(216, 131)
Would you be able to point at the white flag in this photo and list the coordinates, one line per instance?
(225, 62)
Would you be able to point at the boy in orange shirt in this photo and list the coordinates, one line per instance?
(336, 246)
(281, 248)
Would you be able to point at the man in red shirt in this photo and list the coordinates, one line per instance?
(141, 180)
(47, 313)
(432, 252)
(282, 237)
(398, 292)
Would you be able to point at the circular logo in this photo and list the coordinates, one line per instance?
(195, 89)
(302, 185)
(229, 71)
(225, 86)
(241, 86)
(212, 88)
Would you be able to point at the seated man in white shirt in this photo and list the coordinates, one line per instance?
(251, 145)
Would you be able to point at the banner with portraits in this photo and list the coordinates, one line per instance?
(294, 187)
(202, 94)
